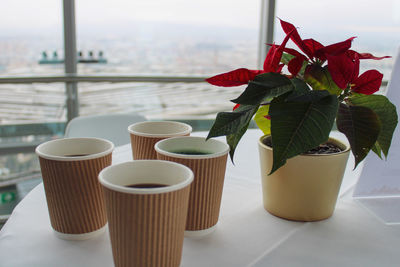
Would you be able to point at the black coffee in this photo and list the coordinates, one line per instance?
(149, 185)
(76, 155)
(191, 152)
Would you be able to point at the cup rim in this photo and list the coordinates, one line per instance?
(146, 191)
(223, 152)
(41, 154)
(188, 129)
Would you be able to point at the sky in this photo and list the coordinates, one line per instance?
(346, 17)
(362, 15)
(334, 20)
(18, 13)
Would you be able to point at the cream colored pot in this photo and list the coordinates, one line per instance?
(306, 187)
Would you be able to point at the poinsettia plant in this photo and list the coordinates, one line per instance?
(298, 109)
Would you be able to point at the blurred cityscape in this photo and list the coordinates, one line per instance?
(156, 53)
(155, 50)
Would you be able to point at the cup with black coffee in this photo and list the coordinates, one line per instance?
(145, 134)
(147, 203)
(207, 160)
(70, 168)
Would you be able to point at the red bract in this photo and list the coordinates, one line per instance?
(343, 68)
(334, 49)
(314, 46)
(343, 63)
(294, 65)
(368, 83)
(295, 37)
(273, 58)
(313, 49)
(234, 78)
(271, 63)
(368, 56)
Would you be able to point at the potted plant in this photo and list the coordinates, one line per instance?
(296, 111)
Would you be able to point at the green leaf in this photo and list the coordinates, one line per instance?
(233, 125)
(377, 150)
(231, 122)
(286, 58)
(262, 122)
(303, 68)
(320, 79)
(233, 139)
(361, 127)
(386, 113)
(300, 88)
(300, 124)
(310, 96)
(266, 85)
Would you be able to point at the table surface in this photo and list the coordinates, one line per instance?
(246, 234)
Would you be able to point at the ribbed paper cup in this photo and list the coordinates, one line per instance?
(70, 168)
(146, 224)
(145, 134)
(207, 160)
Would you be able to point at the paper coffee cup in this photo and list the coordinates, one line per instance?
(70, 168)
(145, 134)
(207, 160)
(146, 204)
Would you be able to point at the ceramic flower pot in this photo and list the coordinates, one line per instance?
(306, 187)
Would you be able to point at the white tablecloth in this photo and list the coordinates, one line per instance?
(246, 234)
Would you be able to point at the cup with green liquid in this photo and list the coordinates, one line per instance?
(207, 160)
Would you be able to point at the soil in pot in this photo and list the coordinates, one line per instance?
(325, 148)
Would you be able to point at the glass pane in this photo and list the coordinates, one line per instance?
(30, 115)
(32, 103)
(156, 100)
(27, 30)
(375, 24)
(167, 37)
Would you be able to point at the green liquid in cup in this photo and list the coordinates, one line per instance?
(148, 185)
(191, 152)
(76, 155)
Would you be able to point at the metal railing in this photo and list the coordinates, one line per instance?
(100, 78)
(7, 148)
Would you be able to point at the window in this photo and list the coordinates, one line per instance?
(168, 37)
(27, 30)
